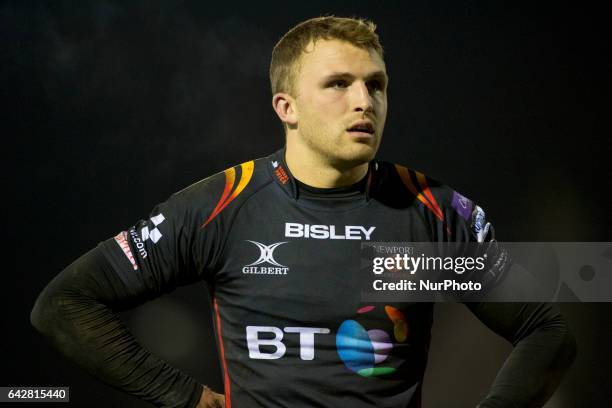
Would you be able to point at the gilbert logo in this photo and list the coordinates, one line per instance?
(266, 256)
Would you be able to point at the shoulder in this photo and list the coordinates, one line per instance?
(410, 183)
(225, 190)
(436, 199)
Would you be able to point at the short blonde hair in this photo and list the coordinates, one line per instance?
(286, 54)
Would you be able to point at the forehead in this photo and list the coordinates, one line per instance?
(329, 56)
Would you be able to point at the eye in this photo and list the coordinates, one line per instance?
(375, 85)
(338, 84)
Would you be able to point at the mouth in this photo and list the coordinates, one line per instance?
(361, 129)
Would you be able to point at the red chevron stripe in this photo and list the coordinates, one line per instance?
(230, 176)
(405, 177)
(423, 182)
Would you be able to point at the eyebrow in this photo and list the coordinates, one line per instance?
(380, 75)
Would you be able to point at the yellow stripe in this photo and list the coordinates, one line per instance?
(247, 173)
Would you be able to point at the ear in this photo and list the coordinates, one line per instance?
(284, 106)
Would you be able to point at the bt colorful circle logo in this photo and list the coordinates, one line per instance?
(363, 351)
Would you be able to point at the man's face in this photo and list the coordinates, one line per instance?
(341, 101)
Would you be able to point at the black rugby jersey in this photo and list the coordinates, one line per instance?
(284, 268)
(283, 263)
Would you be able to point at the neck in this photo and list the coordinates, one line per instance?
(317, 171)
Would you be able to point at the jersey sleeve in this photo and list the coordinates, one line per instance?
(458, 227)
(157, 254)
(77, 309)
(543, 350)
(167, 249)
(467, 232)
(544, 347)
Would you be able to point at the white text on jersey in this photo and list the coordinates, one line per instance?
(295, 230)
(307, 335)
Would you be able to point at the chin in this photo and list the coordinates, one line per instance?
(356, 155)
(364, 151)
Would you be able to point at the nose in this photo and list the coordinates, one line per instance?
(361, 98)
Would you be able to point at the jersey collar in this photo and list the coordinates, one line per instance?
(279, 171)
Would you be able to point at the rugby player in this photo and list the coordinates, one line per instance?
(277, 238)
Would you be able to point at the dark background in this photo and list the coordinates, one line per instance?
(108, 107)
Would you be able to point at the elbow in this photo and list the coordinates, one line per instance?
(569, 347)
(49, 311)
(41, 314)
(565, 347)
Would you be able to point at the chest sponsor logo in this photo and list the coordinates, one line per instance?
(314, 231)
(269, 265)
(306, 340)
(366, 343)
